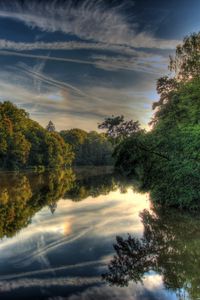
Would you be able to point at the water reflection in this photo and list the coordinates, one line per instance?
(22, 195)
(55, 245)
(170, 246)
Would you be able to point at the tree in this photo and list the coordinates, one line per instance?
(118, 129)
(186, 62)
(24, 143)
(184, 67)
(169, 246)
(166, 161)
(51, 127)
(90, 148)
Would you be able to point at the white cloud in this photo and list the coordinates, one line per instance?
(122, 209)
(90, 21)
(7, 286)
(45, 57)
(140, 62)
(70, 45)
(37, 74)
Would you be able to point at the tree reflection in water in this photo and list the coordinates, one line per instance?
(24, 194)
(170, 246)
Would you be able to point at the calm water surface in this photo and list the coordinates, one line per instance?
(57, 233)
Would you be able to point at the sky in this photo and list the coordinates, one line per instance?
(77, 62)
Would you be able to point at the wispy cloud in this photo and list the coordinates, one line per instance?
(151, 288)
(89, 84)
(67, 45)
(41, 77)
(54, 269)
(47, 97)
(141, 61)
(61, 281)
(45, 57)
(90, 20)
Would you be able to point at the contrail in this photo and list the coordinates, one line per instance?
(47, 270)
(78, 61)
(51, 81)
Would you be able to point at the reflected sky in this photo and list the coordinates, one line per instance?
(63, 254)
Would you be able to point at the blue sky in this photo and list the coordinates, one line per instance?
(76, 62)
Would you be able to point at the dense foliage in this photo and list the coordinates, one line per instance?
(90, 148)
(24, 143)
(166, 160)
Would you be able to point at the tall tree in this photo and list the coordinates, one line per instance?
(51, 127)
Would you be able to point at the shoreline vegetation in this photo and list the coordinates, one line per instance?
(24, 144)
(164, 161)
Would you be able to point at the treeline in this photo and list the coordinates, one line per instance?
(166, 160)
(90, 148)
(26, 144)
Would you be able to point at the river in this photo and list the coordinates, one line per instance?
(58, 229)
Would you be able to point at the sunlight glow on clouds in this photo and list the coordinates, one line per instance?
(79, 63)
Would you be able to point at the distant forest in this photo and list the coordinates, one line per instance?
(26, 144)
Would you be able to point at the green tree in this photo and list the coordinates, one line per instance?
(166, 160)
(51, 127)
(24, 143)
(118, 129)
(90, 148)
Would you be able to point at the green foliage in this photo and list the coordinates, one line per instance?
(186, 63)
(90, 148)
(24, 143)
(166, 160)
(51, 127)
